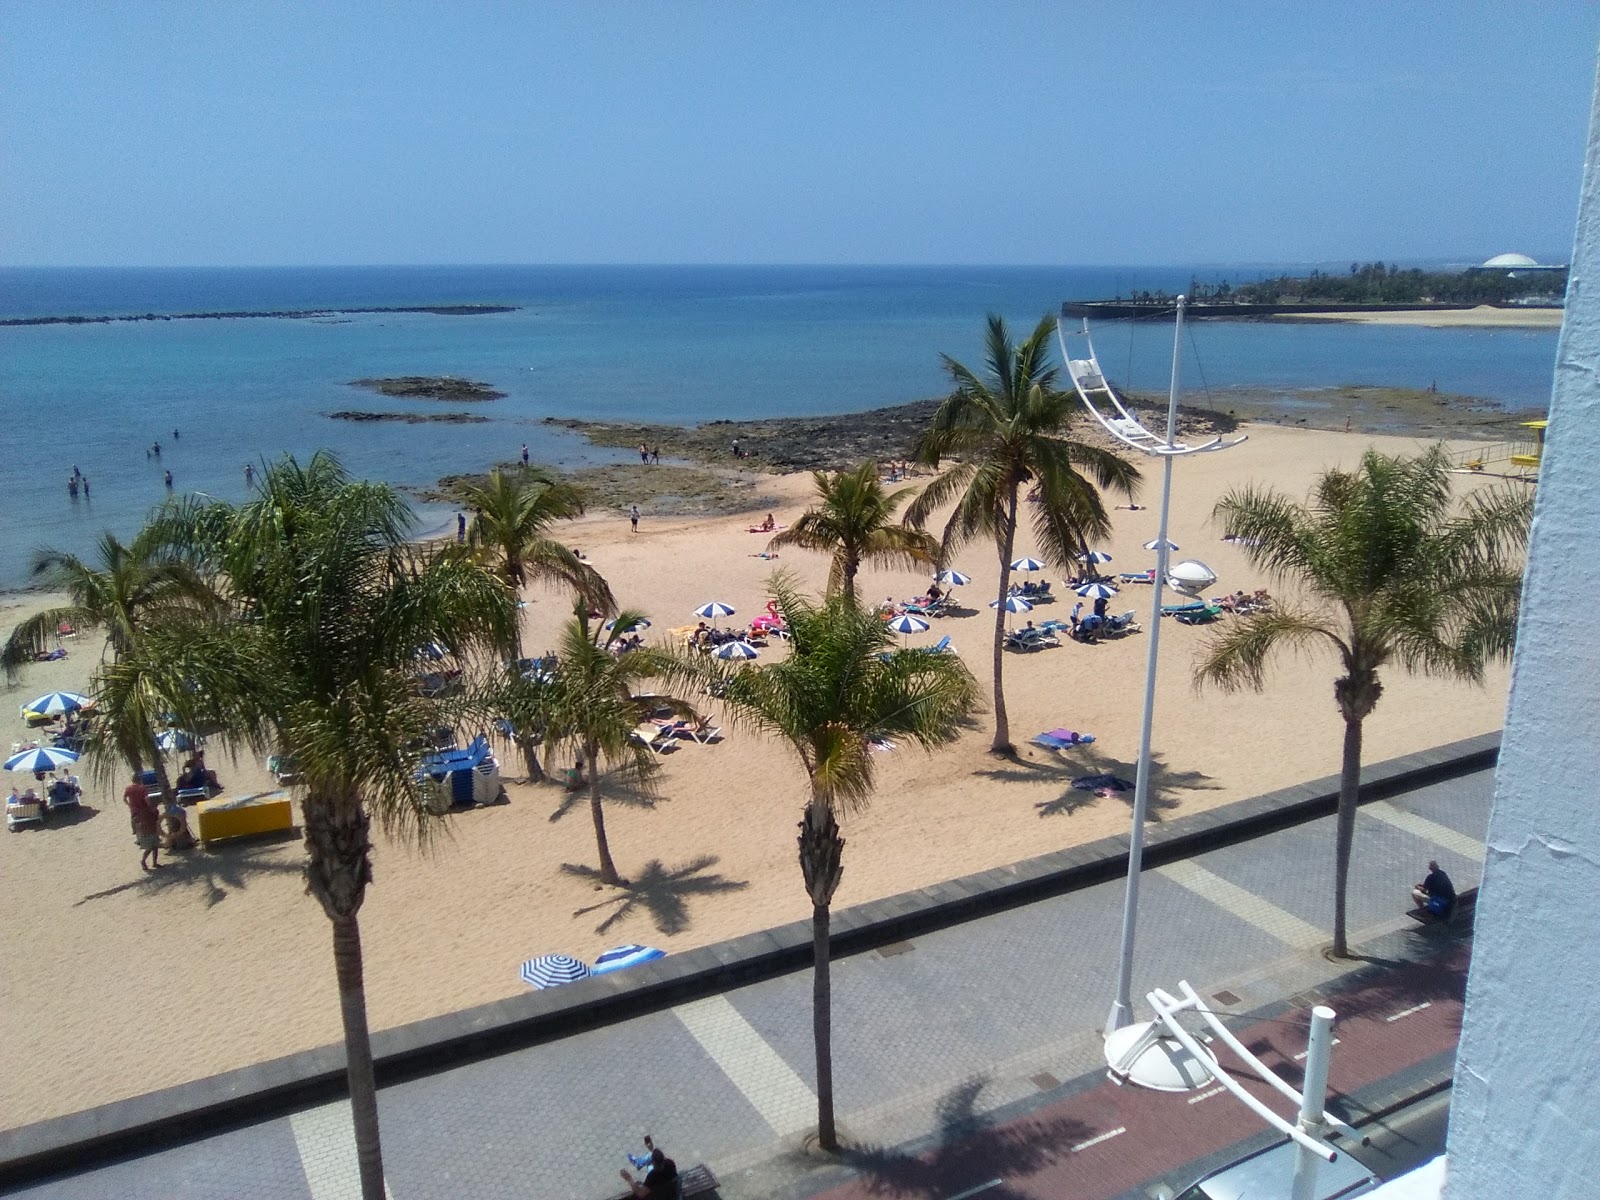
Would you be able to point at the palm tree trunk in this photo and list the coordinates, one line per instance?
(608, 869)
(1345, 829)
(530, 757)
(358, 1055)
(852, 565)
(821, 851)
(1008, 538)
(338, 869)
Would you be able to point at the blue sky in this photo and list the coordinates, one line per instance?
(680, 132)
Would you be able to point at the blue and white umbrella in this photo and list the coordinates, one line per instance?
(57, 703)
(906, 623)
(1014, 604)
(636, 623)
(45, 758)
(736, 650)
(1096, 591)
(954, 578)
(177, 739)
(1027, 564)
(1095, 556)
(619, 957)
(713, 609)
(552, 970)
(1155, 544)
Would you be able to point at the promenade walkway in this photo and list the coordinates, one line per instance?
(995, 1016)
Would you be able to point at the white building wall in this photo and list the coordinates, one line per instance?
(1525, 1121)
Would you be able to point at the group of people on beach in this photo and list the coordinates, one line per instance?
(647, 454)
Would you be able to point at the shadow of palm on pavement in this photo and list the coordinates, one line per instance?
(969, 1151)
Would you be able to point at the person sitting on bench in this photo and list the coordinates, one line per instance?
(1436, 893)
(660, 1181)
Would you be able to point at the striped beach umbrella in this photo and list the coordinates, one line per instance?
(176, 739)
(906, 623)
(736, 650)
(1014, 604)
(1096, 591)
(1155, 544)
(56, 703)
(1095, 556)
(619, 957)
(711, 610)
(43, 758)
(552, 970)
(636, 623)
(954, 578)
(1027, 564)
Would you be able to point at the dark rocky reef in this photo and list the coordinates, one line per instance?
(449, 418)
(287, 314)
(429, 387)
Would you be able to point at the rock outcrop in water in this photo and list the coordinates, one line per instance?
(449, 418)
(430, 387)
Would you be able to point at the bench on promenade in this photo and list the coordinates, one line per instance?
(1466, 904)
(692, 1181)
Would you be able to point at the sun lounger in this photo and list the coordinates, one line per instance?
(1203, 615)
(28, 812)
(653, 738)
(942, 646)
(702, 731)
(1169, 610)
(1137, 576)
(193, 795)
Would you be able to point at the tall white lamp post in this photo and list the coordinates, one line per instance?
(1095, 392)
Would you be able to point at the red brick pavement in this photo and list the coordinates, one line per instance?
(1406, 1016)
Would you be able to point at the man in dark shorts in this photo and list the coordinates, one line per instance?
(660, 1182)
(146, 824)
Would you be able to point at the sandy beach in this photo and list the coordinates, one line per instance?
(120, 982)
(1484, 316)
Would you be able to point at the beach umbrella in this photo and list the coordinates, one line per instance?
(1014, 604)
(713, 609)
(44, 758)
(1027, 564)
(1096, 591)
(954, 578)
(1095, 556)
(619, 957)
(57, 703)
(176, 739)
(636, 623)
(1155, 544)
(432, 650)
(906, 623)
(552, 970)
(736, 650)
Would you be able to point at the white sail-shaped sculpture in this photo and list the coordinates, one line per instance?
(1095, 390)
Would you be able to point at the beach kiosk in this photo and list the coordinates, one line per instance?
(1529, 457)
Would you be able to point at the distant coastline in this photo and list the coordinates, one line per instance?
(1440, 316)
(286, 314)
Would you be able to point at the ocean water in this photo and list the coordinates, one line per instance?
(669, 344)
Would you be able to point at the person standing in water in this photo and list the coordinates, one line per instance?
(169, 480)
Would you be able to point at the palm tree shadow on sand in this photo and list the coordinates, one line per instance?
(215, 874)
(968, 1150)
(615, 788)
(660, 891)
(1167, 785)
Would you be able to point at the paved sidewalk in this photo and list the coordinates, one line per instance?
(975, 1019)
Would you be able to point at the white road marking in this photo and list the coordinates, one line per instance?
(1429, 831)
(1406, 1012)
(1247, 906)
(327, 1145)
(1104, 1137)
(1303, 1053)
(1206, 1095)
(756, 1069)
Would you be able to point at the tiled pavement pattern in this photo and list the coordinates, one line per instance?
(970, 1019)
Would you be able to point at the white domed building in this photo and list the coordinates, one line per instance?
(1513, 262)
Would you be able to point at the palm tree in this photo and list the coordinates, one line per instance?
(841, 689)
(320, 664)
(1394, 572)
(510, 529)
(122, 589)
(594, 711)
(854, 522)
(1008, 430)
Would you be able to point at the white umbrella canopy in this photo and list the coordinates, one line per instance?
(54, 704)
(1155, 544)
(712, 610)
(954, 578)
(736, 650)
(1095, 556)
(1027, 564)
(1014, 604)
(906, 623)
(1096, 591)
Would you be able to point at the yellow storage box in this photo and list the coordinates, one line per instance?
(264, 812)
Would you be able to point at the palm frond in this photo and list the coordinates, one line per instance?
(1235, 657)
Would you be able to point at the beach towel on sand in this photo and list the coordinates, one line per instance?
(1060, 739)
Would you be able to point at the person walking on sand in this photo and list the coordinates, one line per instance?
(461, 527)
(644, 453)
(633, 516)
(146, 824)
(655, 454)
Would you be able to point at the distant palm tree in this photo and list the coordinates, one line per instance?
(593, 709)
(332, 604)
(854, 522)
(120, 591)
(1008, 431)
(1395, 572)
(841, 689)
(513, 515)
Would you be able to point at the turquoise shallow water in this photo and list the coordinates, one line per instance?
(681, 344)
